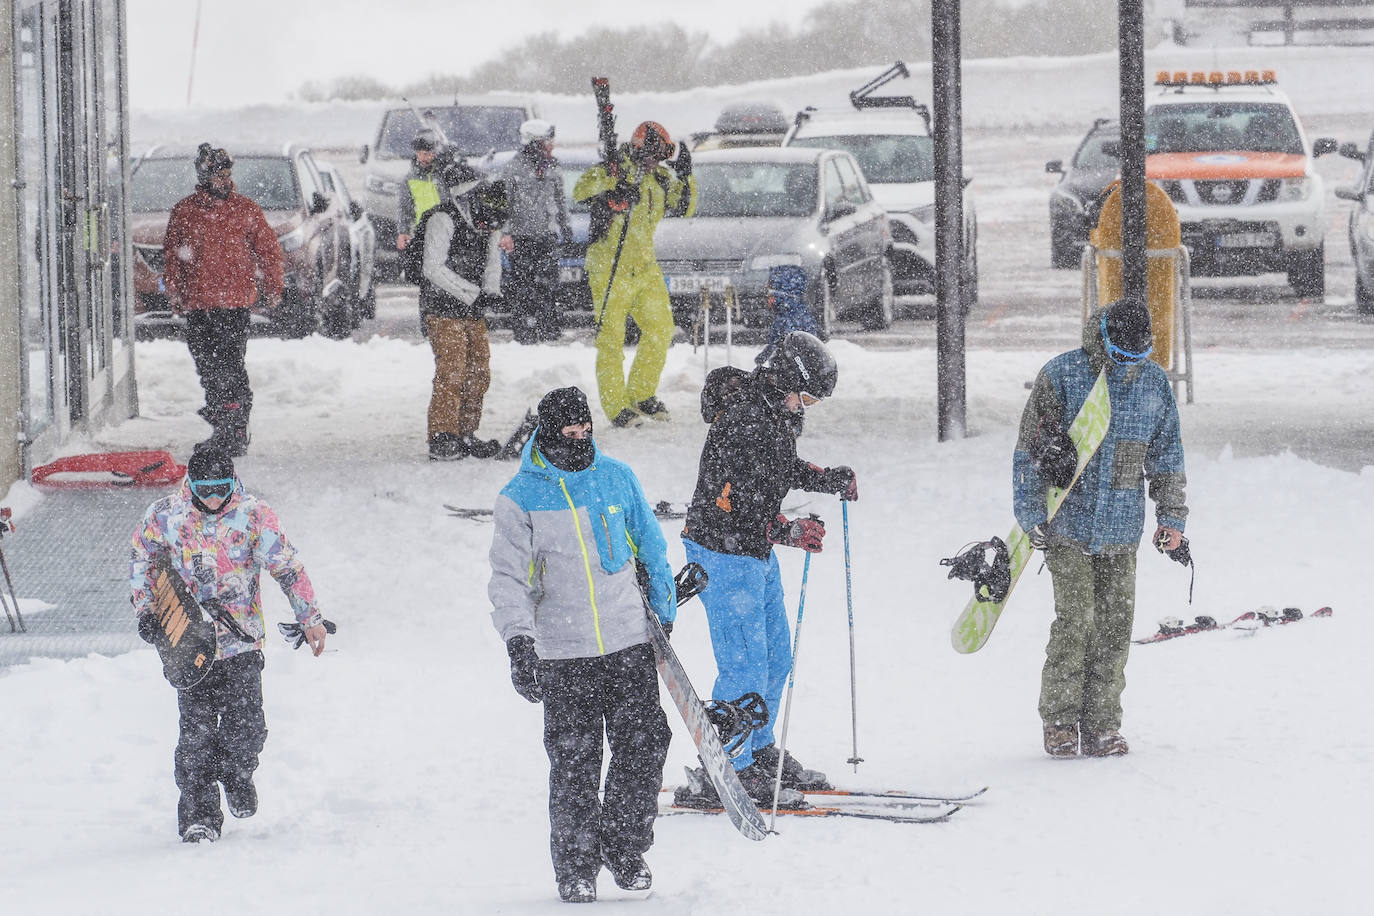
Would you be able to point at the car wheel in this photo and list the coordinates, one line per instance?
(824, 307)
(1364, 297)
(1307, 273)
(295, 316)
(338, 317)
(1065, 254)
(878, 315)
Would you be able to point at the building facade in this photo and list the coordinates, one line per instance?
(66, 325)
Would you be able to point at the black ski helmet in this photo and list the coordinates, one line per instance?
(210, 160)
(1126, 331)
(801, 363)
(490, 204)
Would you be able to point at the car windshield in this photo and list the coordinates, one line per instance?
(884, 158)
(471, 128)
(1208, 127)
(734, 189)
(157, 184)
(1092, 156)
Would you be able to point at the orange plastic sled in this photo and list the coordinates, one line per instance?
(110, 469)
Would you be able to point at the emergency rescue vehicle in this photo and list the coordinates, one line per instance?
(1229, 150)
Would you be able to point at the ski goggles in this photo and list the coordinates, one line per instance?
(1118, 355)
(219, 488)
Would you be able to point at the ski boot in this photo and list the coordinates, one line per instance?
(794, 775)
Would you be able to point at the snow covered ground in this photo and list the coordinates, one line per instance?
(403, 775)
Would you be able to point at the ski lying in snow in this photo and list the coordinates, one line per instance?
(1173, 628)
(1089, 427)
(663, 509)
(869, 812)
(899, 795)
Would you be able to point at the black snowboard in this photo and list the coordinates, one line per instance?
(185, 637)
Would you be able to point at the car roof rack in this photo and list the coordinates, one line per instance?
(863, 97)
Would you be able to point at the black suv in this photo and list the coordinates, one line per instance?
(1077, 200)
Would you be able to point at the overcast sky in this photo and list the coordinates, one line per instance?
(252, 51)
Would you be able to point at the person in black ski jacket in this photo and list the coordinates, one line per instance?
(748, 464)
(572, 530)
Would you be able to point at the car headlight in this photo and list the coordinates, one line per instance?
(381, 185)
(925, 214)
(1295, 189)
(293, 239)
(766, 261)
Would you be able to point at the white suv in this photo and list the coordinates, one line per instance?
(1230, 152)
(894, 147)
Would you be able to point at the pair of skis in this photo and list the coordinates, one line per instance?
(893, 806)
(1173, 628)
(663, 509)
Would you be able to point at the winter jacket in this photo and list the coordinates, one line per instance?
(535, 186)
(220, 253)
(415, 196)
(562, 558)
(748, 464)
(661, 193)
(220, 556)
(1105, 511)
(460, 263)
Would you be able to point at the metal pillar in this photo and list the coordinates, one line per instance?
(1131, 25)
(949, 219)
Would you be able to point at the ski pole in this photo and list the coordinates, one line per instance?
(791, 682)
(849, 603)
(10, 582)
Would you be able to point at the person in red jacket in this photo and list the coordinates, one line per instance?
(221, 259)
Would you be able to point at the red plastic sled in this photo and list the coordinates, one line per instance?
(110, 469)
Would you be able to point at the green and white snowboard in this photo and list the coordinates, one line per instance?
(1087, 431)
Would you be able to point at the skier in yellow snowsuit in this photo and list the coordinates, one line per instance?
(627, 200)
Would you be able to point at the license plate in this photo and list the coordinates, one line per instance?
(571, 275)
(695, 283)
(1246, 240)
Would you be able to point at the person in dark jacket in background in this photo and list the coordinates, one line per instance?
(420, 192)
(538, 223)
(570, 531)
(221, 260)
(461, 278)
(1090, 545)
(748, 464)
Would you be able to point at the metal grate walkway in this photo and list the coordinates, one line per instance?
(72, 552)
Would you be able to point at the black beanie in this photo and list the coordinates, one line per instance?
(1127, 325)
(559, 408)
(209, 464)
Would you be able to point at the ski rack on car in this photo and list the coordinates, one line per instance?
(863, 97)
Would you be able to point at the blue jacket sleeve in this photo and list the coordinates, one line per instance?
(651, 549)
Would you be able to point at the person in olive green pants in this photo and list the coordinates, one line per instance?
(628, 198)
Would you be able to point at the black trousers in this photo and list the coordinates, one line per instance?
(581, 696)
(532, 288)
(222, 733)
(218, 341)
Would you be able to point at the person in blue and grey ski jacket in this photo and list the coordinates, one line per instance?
(572, 532)
(1090, 545)
(787, 298)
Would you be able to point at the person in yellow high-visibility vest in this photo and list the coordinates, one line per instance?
(628, 197)
(419, 193)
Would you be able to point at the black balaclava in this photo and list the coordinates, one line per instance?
(209, 161)
(210, 464)
(559, 408)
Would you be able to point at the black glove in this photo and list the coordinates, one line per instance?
(683, 163)
(623, 196)
(294, 633)
(524, 665)
(805, 533)
(485, 302)
(1054, 454)
(148, 627)
(841, 481)
(1039, 538)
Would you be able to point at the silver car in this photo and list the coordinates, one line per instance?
(762, 207)
(362, 238)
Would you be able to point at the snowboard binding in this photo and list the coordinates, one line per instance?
(736, 720)
(991, 581)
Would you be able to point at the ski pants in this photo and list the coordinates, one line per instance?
(615, 694)
(1085, 660)
(639, 292)
(218, 341)
(462, 373)
(749, 633)
(532, 288)
(222, 733)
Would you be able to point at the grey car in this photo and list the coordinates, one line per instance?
(1361, 227)
(761, 207)
(359, 287)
